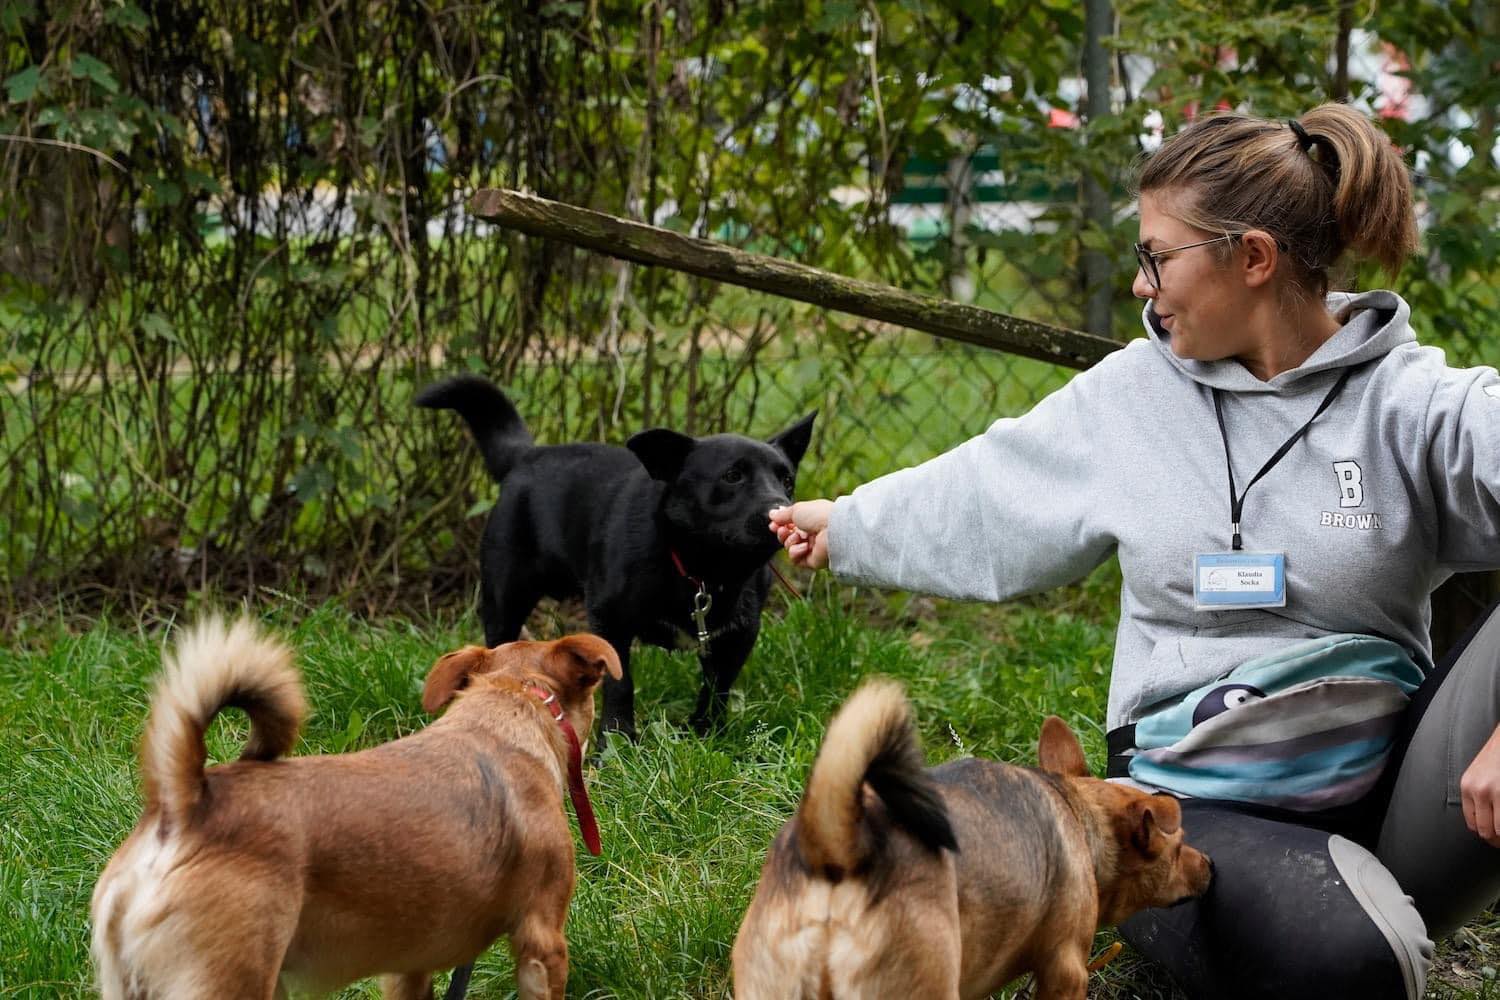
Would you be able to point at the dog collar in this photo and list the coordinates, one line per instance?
(576, 791)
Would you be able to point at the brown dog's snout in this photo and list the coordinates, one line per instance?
(1196, 871)
(1199, 869)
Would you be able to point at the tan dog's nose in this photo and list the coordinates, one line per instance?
(1196, 870)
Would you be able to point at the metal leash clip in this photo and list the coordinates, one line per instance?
(702, 602)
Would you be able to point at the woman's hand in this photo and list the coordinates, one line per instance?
(803, 529)
(1479, 789)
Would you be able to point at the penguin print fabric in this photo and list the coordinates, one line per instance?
(1306, 728)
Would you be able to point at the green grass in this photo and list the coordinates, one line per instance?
(685, 821)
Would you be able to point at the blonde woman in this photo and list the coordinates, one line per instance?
(1286, 475)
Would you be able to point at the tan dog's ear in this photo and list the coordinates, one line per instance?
(1151, 820)
(450, 674)
(1058, 750)
(1168, 813)
(579, 662)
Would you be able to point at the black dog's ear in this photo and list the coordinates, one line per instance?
(661, 451)
(794, 440)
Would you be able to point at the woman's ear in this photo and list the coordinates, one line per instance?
(1260, 255)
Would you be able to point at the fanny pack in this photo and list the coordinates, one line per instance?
(1307, 727)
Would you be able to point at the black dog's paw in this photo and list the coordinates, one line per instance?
(706, 725)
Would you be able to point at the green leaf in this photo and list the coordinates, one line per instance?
(837, 15)
(347, 441)
(351, 734)
(85, 65)
(24, 85)
(129, 17)
(157, 326)
(14, 13)
(312, 481)
(165, 191)
(197, 180)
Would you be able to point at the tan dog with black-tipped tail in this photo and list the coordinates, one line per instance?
(894, 880)
(273, 873)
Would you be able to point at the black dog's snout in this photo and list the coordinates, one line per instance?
(773, 500)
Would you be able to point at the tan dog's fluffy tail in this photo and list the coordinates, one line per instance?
(871, 741)
(215, 667)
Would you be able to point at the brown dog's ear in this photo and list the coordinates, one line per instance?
(1151, 820)
(1058, 750)
(579, 662)
(1168, 812)
(450, 674)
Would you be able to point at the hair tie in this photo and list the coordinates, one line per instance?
(1329, 160)
(1303, 139)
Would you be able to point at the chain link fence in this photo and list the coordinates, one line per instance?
(139, 472)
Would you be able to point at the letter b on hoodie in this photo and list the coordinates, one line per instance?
(1351, 491)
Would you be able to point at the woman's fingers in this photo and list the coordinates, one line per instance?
(799, 527)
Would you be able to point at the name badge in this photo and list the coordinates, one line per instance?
(1239, 580)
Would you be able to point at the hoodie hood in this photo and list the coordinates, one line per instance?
(1374, 324)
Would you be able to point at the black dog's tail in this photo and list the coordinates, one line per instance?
(870, 741)
(498, 429)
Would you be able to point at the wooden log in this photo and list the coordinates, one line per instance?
(643, 244)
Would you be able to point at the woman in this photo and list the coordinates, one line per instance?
(1286, 476)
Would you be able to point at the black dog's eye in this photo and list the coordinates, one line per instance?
(733, 475)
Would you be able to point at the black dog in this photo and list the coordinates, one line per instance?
(666, 537)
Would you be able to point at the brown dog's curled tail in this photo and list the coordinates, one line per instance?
(215, 667)
(870, 741)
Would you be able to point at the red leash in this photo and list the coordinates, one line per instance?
(796, 594)
(576, 791)
(682, 571)
(458, 985)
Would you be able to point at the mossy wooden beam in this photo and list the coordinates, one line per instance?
(643, 244)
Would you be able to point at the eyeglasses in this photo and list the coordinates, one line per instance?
(1147, 258)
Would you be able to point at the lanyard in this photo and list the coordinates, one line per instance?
(1237, 504)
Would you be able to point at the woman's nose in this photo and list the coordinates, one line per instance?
(1140, 287)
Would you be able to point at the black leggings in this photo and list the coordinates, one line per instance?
(1341, 904)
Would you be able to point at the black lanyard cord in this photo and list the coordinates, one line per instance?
(1237, 503)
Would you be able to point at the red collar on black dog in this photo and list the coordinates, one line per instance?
(682, 570)
(576, 791)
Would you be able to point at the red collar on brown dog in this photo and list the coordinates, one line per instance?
(576, 791)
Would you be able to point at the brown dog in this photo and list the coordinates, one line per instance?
(897, 881)
(311, 872)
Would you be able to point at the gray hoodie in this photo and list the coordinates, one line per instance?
(1394, 487)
